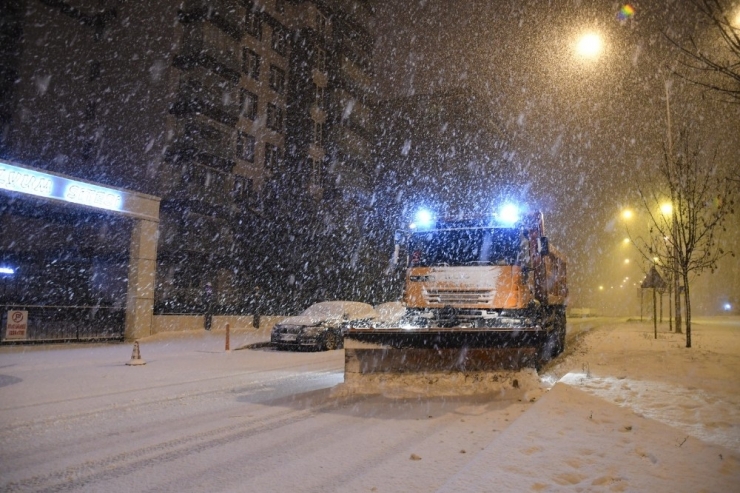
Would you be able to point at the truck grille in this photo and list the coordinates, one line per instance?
(440, 296)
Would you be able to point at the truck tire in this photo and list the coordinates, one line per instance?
(550, 347)
(561, 334)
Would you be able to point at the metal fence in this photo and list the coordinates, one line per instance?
(67, 323)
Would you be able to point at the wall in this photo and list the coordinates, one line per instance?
(176, 323)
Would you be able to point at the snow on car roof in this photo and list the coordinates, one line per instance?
(337, 309)
(390, 312)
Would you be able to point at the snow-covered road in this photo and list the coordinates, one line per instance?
(195, 418)
(198, 419)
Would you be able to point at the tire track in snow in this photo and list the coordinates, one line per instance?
(25, 425)
(101, 470)
(307, 366)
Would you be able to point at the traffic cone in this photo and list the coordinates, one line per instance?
(136, 356)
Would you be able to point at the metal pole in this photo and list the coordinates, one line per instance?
(655, 319)
(674, 251)
(670, 306)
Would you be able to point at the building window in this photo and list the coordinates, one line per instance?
(248, 104)
(322, 25)
(87, 150)
(253, 24)
(277, 79)
(242, 188)
(251, 63)
(94, 70)
(316, 173)
(318, 134)
(245, 146)
(274, 117)
(320, 98)
(321, 59)
(279, 40)
(272, 156)
(91, 110)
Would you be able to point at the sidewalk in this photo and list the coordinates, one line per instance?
(572, 441)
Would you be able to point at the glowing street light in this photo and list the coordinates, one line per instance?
(590, 45)
(627, 214)
(666, 208)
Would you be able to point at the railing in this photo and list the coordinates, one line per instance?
(67, 323)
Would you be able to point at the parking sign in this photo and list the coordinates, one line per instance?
(16, 326)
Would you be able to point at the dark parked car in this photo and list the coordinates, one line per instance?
(321, 325)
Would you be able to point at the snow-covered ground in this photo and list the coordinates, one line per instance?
(627, 412)
(619, 411)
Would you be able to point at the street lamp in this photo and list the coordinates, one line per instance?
(590, 45)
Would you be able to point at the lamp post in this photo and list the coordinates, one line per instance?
(590, 46)
(670, 212)
(674, 252)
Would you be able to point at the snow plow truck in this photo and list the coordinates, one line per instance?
(481, 295)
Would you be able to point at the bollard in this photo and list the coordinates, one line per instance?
(136, 356)
(228, 327)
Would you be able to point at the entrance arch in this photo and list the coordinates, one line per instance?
(31, 197)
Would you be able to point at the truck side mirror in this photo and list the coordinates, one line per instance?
(399, 240)
(543, 246)
(396, 254)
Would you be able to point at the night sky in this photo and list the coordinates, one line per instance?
(584, 131)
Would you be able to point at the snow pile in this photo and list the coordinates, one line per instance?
(699, 413)
(571, 441)
(696, 390)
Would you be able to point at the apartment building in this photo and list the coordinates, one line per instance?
(237, 114)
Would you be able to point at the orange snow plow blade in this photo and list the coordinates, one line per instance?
(438, 350)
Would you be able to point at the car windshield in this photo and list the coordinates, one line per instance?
(338, 309)
(480, 246)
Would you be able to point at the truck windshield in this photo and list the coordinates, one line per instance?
(494, 246)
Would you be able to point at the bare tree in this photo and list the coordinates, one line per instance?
(688, 202)
(704, 62)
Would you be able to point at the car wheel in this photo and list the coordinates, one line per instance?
(331, 341)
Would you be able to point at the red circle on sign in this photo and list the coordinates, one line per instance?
(17, 316)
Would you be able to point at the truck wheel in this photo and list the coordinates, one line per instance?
(548, 350)
(561, 340)
(331, 341)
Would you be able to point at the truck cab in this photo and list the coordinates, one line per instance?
(481, 273)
